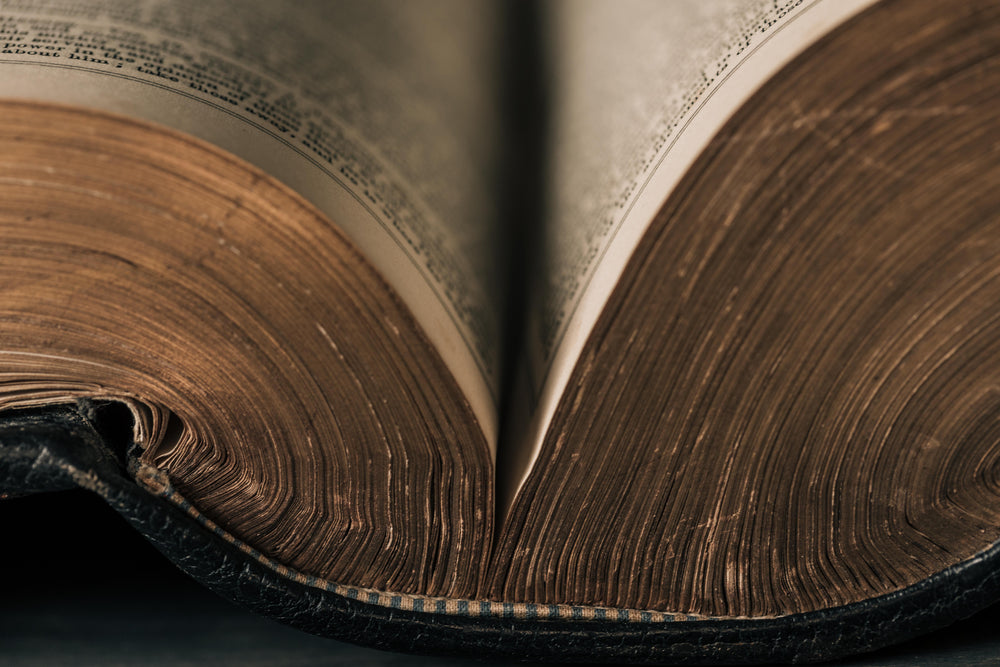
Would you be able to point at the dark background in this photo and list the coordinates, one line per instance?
(80, 587)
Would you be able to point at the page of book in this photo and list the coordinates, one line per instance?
(381, 114)
(639, 89)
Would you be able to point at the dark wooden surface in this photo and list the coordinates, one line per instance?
(80, 588)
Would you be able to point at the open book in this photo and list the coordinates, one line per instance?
(641, 312)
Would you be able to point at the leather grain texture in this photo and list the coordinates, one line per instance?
(60, 447)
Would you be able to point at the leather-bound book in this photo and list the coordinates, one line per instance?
(648, 331)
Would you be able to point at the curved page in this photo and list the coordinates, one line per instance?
(639, 90)
(380, 114)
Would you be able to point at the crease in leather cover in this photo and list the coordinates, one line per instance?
(59, 448)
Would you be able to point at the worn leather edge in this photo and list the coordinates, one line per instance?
(58, 448)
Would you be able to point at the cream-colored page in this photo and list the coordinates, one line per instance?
(639, 89)
(382, 114)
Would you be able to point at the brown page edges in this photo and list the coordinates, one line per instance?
(275, 378)
(792, 400)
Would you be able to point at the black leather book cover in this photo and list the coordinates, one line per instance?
(68, 447)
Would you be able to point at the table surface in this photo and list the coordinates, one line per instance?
(88, 590)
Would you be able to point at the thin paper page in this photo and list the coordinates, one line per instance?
(639, 89)
(380, 114)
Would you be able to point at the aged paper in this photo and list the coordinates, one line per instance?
(381, 114)
(640, 87)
